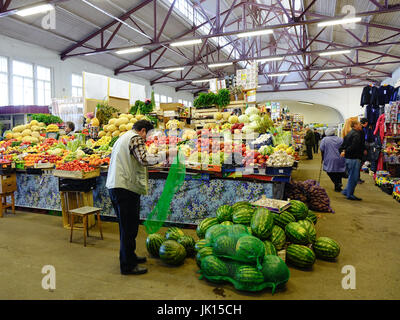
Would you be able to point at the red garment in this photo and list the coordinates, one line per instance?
(380, 126)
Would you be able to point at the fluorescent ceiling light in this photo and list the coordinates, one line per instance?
(200, 81)
(35, 10)
(307, 103)
(173, 69)
(270, 59)
(185, 43)
(329, 81)
(331, 53)
(277, 74)
(331, 70)
(216, 65)
(130, 50)
(288, 84)
(340, 21)
(255, 33)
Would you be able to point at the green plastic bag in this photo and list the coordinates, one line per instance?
(175, 179)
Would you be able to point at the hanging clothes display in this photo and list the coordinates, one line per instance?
(385, 93)
(370, 96)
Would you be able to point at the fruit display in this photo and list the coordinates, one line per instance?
(52, 128)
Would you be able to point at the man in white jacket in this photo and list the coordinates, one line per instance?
(128, 179)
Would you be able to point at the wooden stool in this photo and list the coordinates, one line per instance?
(4, 205)
(84, 212)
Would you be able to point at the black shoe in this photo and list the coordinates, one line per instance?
(135, 270)
(141, 259)
(354, 198)
(360, 181)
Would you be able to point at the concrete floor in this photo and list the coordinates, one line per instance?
(368, 232)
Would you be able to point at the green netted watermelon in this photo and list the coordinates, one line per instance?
(204, 252)
(283, 219)
(215, 231)
(188, 243)
(248, 275)
(275, 270)
(312, 217)
(242, 215)
(213, 266)
(200, 244)
(204, 225)
(226, 223)
(278, 237)
(174, 233)
(269, 248)
(326, 248)
(298, 209)
(224, 246)
(153, 243)
(249, 249)
(261, 223)
(308, 225)
(296, 233)
(300, 256)
(224, 213)
(171, 252)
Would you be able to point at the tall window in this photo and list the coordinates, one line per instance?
(157, 99)
(43, 85)
(77, 84)
(169, 99)
(3, 82)
(163, 99)
(180, 101)
(22, 83)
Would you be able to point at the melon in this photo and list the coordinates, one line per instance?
(115, 133)
(26, 132)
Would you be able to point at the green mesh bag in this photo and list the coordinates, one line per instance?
(234, 242)
(245, 277)
(175, 179)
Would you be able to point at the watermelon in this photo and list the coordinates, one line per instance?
(298, 209)
(278, 237)
(275, 270)
(249, 249)
(269, 248)
(308, 225)
(174, 233)
(238, 230)
(224, 213)
(224, 246)
(283, 219)
(204, 252)
(242, 215)
(172, 252)
(200, 244)
(249, 230)
(213, 266)
(312, 217)
(248, 275)
(241, 204)
(215, 231)
(261, 223)
(188, 243)
(326, 248)
(226, 223)
(204, 225)
(295, 233)
(300, 256)
(153, 243)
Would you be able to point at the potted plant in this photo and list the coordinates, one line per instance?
(223, 98)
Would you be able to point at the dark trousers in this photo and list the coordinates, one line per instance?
(316, 145)
(309, 151)
(336, 178)
(127, 208)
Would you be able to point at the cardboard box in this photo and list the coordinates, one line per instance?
(170, 106)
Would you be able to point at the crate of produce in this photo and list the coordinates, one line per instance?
(45, 165)
(273, 205)
(278, 171)
(79, 174)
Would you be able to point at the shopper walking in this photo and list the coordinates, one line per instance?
(334, 164)
(317, 138)
(352, 150)
(127, 179)
(309, 140)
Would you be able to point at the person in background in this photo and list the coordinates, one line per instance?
(334, 164)
(323, 134)
(69, 128)
(317, 138)
(309, 140)
(127, 179)
(353, 149)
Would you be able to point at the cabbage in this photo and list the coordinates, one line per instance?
(247, 129)
(252, 110)
(255, 118)
(253, 125)
(244, 119)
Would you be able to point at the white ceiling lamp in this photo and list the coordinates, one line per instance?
(340, 21)
(331, 53)
(306, 103)
(330, 70)
(255, 33)
(288, 84)
(328, 81)
(185, 43)
(34, 10)
(130, 50)
(200, 81)
(278, 74)
(217, 65)
(270, 59)
(173, 69)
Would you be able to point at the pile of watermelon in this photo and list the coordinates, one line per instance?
(172, 248)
